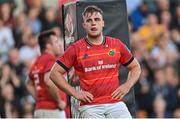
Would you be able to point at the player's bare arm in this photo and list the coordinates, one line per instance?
(31, 87)
(133, 75)
(53, 90)
(56, 75)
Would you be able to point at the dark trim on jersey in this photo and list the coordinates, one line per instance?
(61, 64)
(104, 40)
(103, 43)
(132, 58)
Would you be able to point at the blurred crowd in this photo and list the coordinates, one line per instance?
(154, 27)
(155, 40)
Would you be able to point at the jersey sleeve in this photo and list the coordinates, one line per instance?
(67, 60)
(126, 55)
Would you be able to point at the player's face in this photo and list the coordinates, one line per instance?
(56, 45)
(93, 24)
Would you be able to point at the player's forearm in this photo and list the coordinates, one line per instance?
(32, 91)
(60, 82)
(31, 88)
(53, 90)
(133, 75)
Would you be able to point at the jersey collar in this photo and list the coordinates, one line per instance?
(90, 44)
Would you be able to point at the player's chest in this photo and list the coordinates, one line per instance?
(98, 57)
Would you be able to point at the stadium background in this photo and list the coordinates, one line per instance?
(154, 37)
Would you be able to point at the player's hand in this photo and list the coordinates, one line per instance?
(61, 105)
(84, 96)
(120, 92)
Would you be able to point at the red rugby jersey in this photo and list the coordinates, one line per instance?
(97, 66)
(42, 65)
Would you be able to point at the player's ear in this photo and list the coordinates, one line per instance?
(83, 24)
(48, 46)
(103, 22)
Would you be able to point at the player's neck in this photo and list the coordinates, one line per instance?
(49, 52)
(95, 40)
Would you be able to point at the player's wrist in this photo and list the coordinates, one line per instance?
(76, 95)
(128, 85)
(59, 101)
(61, 105)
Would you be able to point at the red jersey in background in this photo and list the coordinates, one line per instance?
(42, 65)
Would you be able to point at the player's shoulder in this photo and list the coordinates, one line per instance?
(42, 61)
(112, 39)
(47, 56)
(44, 58)
(78, 43)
